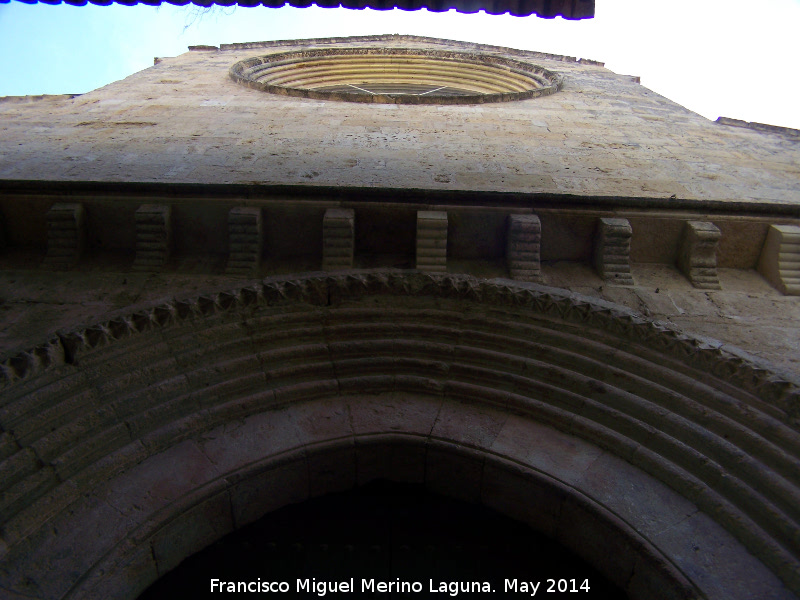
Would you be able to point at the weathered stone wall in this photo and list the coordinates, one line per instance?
(184, 120)
(172, 411)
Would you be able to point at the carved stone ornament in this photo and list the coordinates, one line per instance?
(697, 257)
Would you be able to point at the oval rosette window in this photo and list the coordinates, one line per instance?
(396, 76)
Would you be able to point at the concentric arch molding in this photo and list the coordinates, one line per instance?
(682, 451)
(396, 76)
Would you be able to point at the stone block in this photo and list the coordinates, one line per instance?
(454, 470)
(270, 490)
(544, 448)
(66, 234)
(338, 239)
(401, 413)
(642, 501)
(469, 424)
(432, 241)
(161, 480)
(245, 240)
(255, 437)
(697, 256)
(44, 564)
(780, 258)
(612, 251)
(134, 570)
(153, 236)
(389, 456)
(331, 468)
(523, 247)
(659, 581)
(727, 569)
(191, 531)
(522, 494)
(599, 537)
(321, 420)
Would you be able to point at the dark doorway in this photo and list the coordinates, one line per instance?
(398, 536)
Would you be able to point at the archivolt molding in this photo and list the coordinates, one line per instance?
(727, 363)
(715, 426)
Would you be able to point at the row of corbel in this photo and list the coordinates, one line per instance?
(779, 262)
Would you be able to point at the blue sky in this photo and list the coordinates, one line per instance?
(715, 57)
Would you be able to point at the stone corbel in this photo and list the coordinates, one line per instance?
(153, 236)
(523, 247)
(612, 251)
(338, 239)
(780, 258)
(697, 257)
(245, 240)
(432, 240)
(66, 234)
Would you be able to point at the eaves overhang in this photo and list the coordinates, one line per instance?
(546, 9)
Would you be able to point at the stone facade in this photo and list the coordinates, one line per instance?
(578, 309)
(601, 135)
